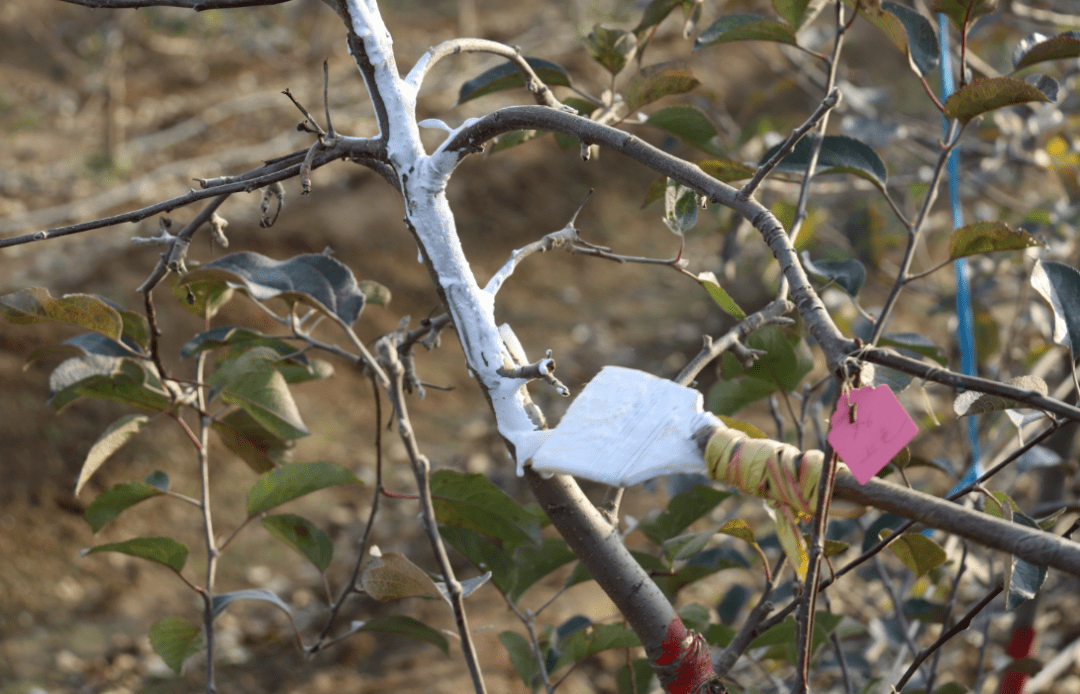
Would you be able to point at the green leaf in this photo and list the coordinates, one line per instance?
(983, 96)
(158, 480)
(686, 546)
(115, 500)
(1026, 577)
(745, 27)
(507, 76)
(791, 11)
(107, 378)
(690, 125)
(925, 611)
(253, 443)
(656, 12)
(848, 274)
(593, 639)
(484, 554)
(202, 298)
(973, 402)
(318, 280)
(783, 634)
(176, 639)
(163, 550)
(393, 576)
(513, 139)
(251, 382)
(223, 600)
(521, 657)
(986, 237)
(694, 616)
(83, 345)
(375, 293)
(658, 81)
(641, 680)
(701, 565)
(839, 154)
(405, 626)
(303, 536)
(1059, 286)
(745, 427)
(726, 170)
(962, 12)
(530, 564)
(118, 433)
(1063, 46)
(914, 342)
(682, 510)
(680, 208)
(918, 552)
(474, 502)
(728, 396)
(294, 480)
(222, 336)
(920, 42)
(787, 360)
(36, 305)
(611, 47)
(737, 527)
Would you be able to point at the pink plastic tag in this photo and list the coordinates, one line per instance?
(869, 427)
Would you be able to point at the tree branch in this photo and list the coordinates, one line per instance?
(197, 5)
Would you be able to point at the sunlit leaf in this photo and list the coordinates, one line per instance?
(658, 81)
(176, 639)
(507, 76)
(393, 576)
(985, 237)
(1063, 46)
(983, 96)
(315, 279)
(375, 293)
(119, 432)
(745, 27)
(203, 299)
(163, 550)
(251, 382)
(680, 208)
(749, 429)
(973, 402)
(36, 305)
(1059, 285)
(115, 500)
(918, 552)
(303, 536)
(294, 480)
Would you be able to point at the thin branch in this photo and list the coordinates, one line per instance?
(376, 498)
(962, 625)
(360, 150)
(830, 102)
(813, 311)
(540, 91)
(197, 5)
(770, 315)
(388, 357)
(893, 360)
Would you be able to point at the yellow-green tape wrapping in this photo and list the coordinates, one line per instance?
(781, 474)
